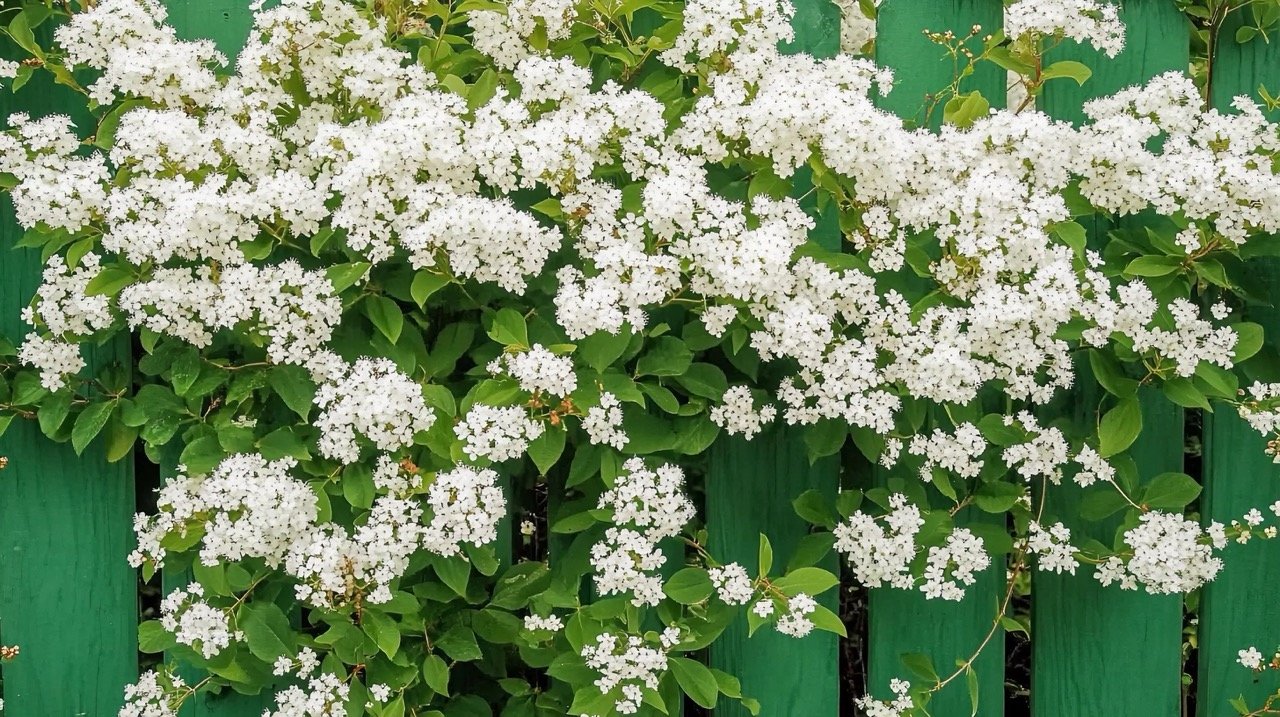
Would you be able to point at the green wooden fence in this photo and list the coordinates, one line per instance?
(70, 602)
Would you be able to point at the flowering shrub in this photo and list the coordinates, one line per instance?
(406, 254)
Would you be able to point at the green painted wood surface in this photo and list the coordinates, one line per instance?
(902, 622)
(1239, 609)
(750, 487)
(1080, 667)
(68, 599)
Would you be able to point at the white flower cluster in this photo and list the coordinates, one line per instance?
(1170, 555)
(738, 413)
(538, 371)
(1253, 659)
(1052, 548)
(1096, 22)
(950, 567)
(732, 584)
(1261, 410)
(550, 623)
(648, 506)
(497, 433)
(795, 622)
(375, 400)
(960, 453)
(900, 705)
(249, 507)
(882, 554)
(603, 422)
(626, 665)
(1043, 456)
(194, 622)
(153, 695)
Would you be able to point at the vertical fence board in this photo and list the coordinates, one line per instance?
(68, 599)
(905, 622)
(1239, 608)
(1079, 665)
(750, 486)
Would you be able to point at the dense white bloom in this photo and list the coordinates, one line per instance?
(732, 584)
(1250, 658)
(497, 434)
(958, 453)
(950, 568)
(377, 401)
(150, 697)
(466, 505)
(796, 623)
(738, 413)
(1052, 548)
(895, 707)
(648, 506)
(1096, 22)
(538, 371)
(56, 359)
(603, 422)
(195, 622)
(551, 623)
(1169, 556)
(880, 554)
(625, 664)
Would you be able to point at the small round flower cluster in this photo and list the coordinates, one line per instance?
(375, 400)
(603, 422)
(1094, 21)
(626, 665)
(1052, 548)
(193, 621)
(959, 453)
(950, 567)
(882, 554)
(1261, 410)
(497, 433)
(738, 413)
(1255, 660)
(1043, 456)
(732, 584)
(550, 623)
(538, 371)
(466, 506)
(795, 622)
(154, 694)
(1170, 555)
(900, 705)
(648, 506)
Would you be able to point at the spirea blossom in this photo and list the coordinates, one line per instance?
(374, 400)
(497, 434)
(1096, 22)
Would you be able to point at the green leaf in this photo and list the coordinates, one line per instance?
(1110, 374)
(810, 581)
(357, 486)
(997, 497)
(153, 638)
(344, 275)
(766, 555)
(386, 316)
(383, 630)
(705, 380)
(53, 411)
(89, 424)
(294, 386)
(454, 572)
(667, 356)
(963, 110)
(814, 507)
(1153, 265)
(1249, 340)
(20, 31)
(509, 329)
(546, 449)
(1170, 491)
(1067, 68)
(266, 630)
(971, 679)
(1183, 392)
(601, 349)
(459, 643)
(424, 285)
(689, 586)
(109, 281)
(696, 680)
(435, 672)
(1100, 504)
(1120, 427)
(920, 665)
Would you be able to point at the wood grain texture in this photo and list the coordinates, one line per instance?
(901, 622)
(68, 599)
(1239, 608)
(1080, 665)
(750, 487)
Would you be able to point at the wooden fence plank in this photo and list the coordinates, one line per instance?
(1239, 608)
(68, 599)
(750, 486)
(905, 622)
(1079, 665)
(749, 489)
